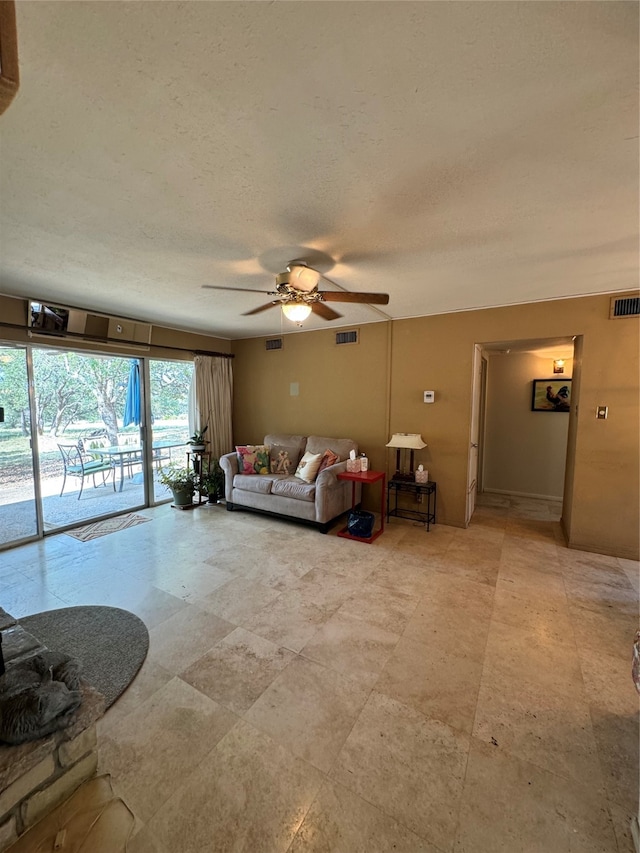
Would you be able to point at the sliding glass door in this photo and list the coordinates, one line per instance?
(18, 506)
(72, 442)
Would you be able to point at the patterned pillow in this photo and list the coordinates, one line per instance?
(328, 458)
(284, 459)
(308, 466)
(253, 458)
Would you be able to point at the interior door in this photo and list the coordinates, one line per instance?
(474, 433)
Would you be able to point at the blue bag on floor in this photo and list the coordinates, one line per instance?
(360, 523)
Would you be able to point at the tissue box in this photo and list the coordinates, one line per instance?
(353, 466)
(422, 476)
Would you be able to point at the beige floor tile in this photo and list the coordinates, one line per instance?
(622, 819)
(249, 794)
(186, 636)
(238, 669)
(150, 678)
(154, 749)
(618, 740)
(326, 589)
(339, 820)
(381, 606)
(510, 805)
(144, 842)
(521, 655)
(289, 621)
(309, 709)
(238, 599)
(604, 630)
(193, 582)
(407, 765)
(608, 683)
(546, 616)
(438, 684)
(551, 730)
(523, 577)
(472, 566)
(352, 646)
(620, 598)
(453, 616)
(405, 573)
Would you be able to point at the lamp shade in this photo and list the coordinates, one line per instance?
(296, 311)
(409, 440)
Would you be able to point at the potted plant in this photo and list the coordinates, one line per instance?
(212, 482)
(182, 482)
(197, 441)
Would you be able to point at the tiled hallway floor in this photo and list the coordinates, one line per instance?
(458, 690)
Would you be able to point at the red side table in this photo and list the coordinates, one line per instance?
(364, 478)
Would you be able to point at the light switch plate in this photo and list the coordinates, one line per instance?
(429, 396)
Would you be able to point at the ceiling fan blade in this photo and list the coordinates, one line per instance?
(343, 296)
(261, 308)
(324, 311)
(238, 289)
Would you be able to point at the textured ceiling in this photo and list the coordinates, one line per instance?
(454, 155)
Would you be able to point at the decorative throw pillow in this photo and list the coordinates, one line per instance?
(308, 466)
(253, 458)
(283, 459)
(328, 458)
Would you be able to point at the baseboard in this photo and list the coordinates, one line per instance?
(635, 832)
(523, 495)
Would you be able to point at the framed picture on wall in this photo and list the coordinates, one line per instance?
(551, 395)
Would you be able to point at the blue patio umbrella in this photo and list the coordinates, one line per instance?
(132, 406)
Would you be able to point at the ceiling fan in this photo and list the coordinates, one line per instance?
(297, 292)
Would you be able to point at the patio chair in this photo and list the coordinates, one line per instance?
(77, 464)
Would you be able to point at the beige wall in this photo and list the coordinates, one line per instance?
(13, 319)
(524, 451)
(342, 389)
(348, 391)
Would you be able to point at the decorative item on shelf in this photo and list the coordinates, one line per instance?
(422, 476)
(354, 465)
(364, 462)
(411, 441)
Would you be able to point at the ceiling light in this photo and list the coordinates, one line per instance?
(296, 311)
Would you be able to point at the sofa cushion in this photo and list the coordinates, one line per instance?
(284, 458)
(328, 458)
(252, 483)
(292, 487)
(253, 458)
(286, 440)
(341, 446)
(308, 466)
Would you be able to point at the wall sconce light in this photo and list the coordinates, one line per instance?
(296, 311)
(405, 441)
(558, 365)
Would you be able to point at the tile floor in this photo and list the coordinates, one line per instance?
(458, 690)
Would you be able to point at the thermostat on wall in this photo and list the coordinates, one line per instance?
(429, 396)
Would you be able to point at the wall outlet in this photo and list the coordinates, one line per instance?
(602, 412)
(429, 396)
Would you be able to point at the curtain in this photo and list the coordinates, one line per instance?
(211, 401)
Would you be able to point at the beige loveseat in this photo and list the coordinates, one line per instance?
(287, 496)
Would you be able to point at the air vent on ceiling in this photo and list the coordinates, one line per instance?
(350, 337)
(273, 343)
(624, 306)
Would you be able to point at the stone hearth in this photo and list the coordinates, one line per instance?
(37, 776)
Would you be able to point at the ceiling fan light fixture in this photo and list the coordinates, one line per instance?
(296, 311)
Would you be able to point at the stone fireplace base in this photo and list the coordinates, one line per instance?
(37, 776)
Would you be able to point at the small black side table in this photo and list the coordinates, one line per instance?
(428, 490)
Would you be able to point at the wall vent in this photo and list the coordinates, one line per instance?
(350, 337)
(273, 343)
(624, 306)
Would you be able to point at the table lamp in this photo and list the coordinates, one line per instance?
(405, 441)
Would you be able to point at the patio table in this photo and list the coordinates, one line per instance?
(122, 455)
